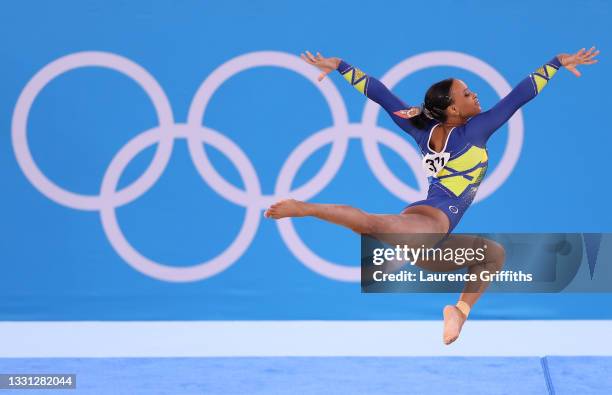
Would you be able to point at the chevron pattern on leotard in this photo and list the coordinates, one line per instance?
(542, 75)
(357, 78)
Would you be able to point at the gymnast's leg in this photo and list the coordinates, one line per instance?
(455, 316)
(416, 219)
(396, 229)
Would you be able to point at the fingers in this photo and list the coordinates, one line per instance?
(312, 58)
(574, 71)
(590, 55)
(315, 61)
(590, 51)
(587, 54)
(587, 57)
(307, 60)
(581, 57)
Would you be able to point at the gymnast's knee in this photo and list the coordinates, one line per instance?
(370, 226)
(495, 255)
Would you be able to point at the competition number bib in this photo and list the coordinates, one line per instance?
(433, 163)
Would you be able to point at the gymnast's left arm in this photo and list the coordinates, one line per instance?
(481, 127)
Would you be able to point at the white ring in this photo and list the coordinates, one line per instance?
(251, 198)
(46, 75)
(172, 273)
(245, 62)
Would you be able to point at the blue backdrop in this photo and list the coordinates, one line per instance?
(64, 256)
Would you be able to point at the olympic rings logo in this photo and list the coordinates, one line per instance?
(251, 198)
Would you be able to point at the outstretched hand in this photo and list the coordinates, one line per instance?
(326, 65)
(570, 61)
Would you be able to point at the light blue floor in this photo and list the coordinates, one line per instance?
(434, 375)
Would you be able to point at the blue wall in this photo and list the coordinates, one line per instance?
(57, 260)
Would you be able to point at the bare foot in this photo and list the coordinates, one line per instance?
(453, 322)
(285, 208)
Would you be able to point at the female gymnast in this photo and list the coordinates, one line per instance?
(451, 132)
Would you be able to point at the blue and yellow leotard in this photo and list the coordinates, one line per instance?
(456, 172)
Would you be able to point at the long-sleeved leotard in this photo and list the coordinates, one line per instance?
(454, 173)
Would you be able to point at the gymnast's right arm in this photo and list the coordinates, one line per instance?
(369, 86)
(482, 126)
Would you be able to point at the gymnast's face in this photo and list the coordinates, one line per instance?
(465, 102)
